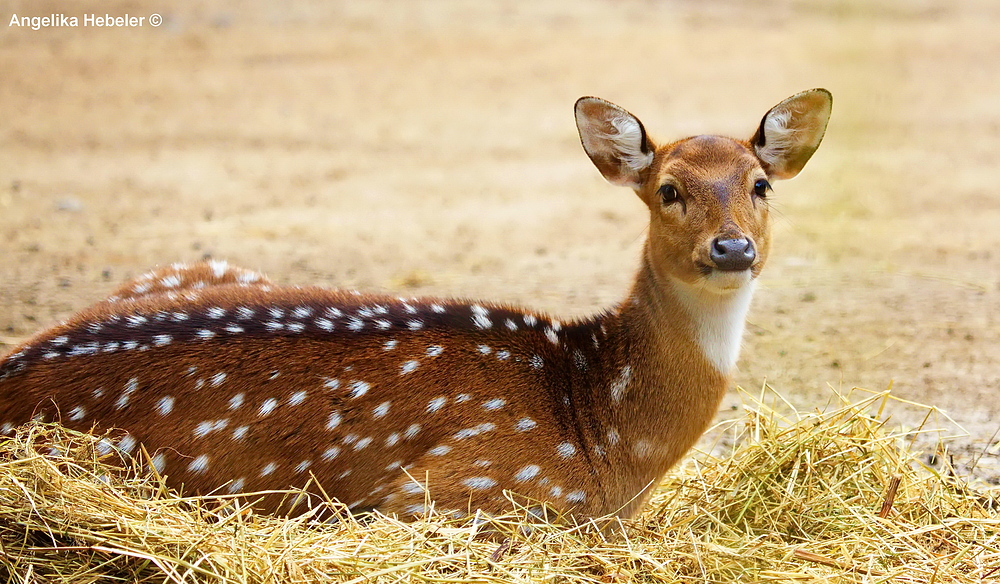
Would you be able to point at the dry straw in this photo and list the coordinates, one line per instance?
(831, 497)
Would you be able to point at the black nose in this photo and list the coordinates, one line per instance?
(733, 254)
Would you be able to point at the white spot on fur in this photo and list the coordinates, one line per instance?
(566, 450)
(165, 405)
(267, 407)
(334, 421)
(215, 312)
(439, 450)
(217, 379)
(481, 317)
(248, 277)
(409, 367)
(437, 308)
(205, 334)
(324, 324)
(494, 404)
(503, 355)
(474, 431)
(240, 432)
(436, 404)
(331, 453)
(551, 335)
(297, 398)
(268, 469)
(527, 473)
(78, 413)
(530, 320)
(536, 362)
(236, 486)
(381, 410)
(390, 344)
(159, 462)
(134, 320)
(130, 387)
(331, 383)
(576, 496)
(510, 324)
(359, 388)
(479, 483)
(412, 431)
(525, 424)
(219, 267)
(434, 350)
(620, 384)
(170, 282)
(199, 465)
(415, 325)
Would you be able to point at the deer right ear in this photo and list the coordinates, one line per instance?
(614, 140)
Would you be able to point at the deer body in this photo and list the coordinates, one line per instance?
(233, 384)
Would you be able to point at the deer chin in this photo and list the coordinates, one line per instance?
(726, 281)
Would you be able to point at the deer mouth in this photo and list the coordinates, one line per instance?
(714, 278)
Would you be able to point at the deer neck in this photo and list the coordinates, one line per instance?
(679, 344)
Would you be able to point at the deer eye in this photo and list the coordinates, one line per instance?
(761, 187)
(668, 194)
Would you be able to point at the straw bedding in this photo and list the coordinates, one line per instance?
(805, 497)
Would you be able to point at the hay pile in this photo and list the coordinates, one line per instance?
(830, 497)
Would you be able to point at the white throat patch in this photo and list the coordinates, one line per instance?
(718, 320)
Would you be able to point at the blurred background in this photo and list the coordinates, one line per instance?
(428, 147)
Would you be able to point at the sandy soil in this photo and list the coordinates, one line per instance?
(429, 148)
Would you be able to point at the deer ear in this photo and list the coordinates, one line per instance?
(614, 140)
(790, 133)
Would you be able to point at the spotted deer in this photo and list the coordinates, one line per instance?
(234, 384)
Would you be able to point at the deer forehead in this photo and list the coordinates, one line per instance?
(713, 165)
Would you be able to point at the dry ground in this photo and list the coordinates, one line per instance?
(429, 148)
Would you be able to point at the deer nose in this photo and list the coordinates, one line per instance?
(733, 254)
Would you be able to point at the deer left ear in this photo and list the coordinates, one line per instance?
(791, 131)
